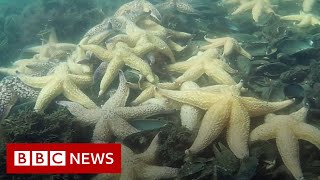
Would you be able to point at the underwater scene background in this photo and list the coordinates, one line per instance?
(192, 89)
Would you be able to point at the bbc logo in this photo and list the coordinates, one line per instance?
(39, 158)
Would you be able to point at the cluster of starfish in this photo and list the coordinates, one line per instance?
(133, 37)
(259, 7)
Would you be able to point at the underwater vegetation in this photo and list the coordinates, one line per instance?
(223, 89)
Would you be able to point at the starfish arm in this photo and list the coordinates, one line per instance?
(257, 10)
(120, 127)
(215, 88)
(243, 7)
(146, 94)
(99, 38)
(65, 46)
(218, 75)
(166, 5)
(243, 52)
(288, 147)
(158, 172)
(181, 67)
(47, 94)
(10, 71)
(225, 66)
(127, 174)
(36, 82)
(178, 34)
(185, 8)
(162, 47)
(53, 39)
(308, 133)
(307, 5)
(175, 46)
(8, 99)
(34, 49)
(263, 132)
(214, 43)
(257, 107)
(102, 132)
(140, 65)
(100, 52)
(292, 18)
(304, 22)
(193, 73)
(238, 130)
(142, 111)
(83, 114)
(149, 155)
(190, 116)
(112, 70)
(73, 93)
(142, 48)
(124, 38)
(81, 80)
(315, 21)
(213, 122)
(119, 98)
(200, 99)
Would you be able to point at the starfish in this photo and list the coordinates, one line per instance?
(61, 81)
(139, 166)
(12, 90)
(112, 24)
(257, 6)
(138, 6)
(287, 130)
(225, 108)
(190, 115)
(111, 118)
(28, 67)
(149, 90)
(143, 41)
(229, 45)
(160, 31)
(52, 49)
(206, 62)
(117, 57)
(180, 5)
(305, 19)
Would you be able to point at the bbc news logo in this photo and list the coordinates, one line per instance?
(71, 158)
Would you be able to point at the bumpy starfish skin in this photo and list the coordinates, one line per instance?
(304, 19)
(143, 41)
(150, 92)
(138, 6)
(160, 31)
(61, 81)
(7, 99)
(204, 63)
(229, 44)
(118, 57)
(139, 166)
(225, 109)
(52, 48)
(257, 6)
(287, 130)
(12, 89)
(111, 118)
(190, 115)
(180, 5)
